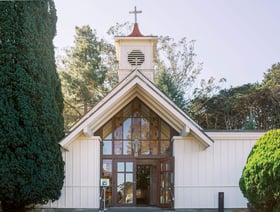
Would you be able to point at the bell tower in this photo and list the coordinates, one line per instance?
(136, 51)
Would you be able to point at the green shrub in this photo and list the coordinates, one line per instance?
(260, 180)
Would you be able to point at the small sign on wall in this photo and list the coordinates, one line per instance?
(105, 182)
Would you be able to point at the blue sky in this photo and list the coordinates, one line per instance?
(235, 39)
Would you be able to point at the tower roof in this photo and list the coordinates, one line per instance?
(135, 32)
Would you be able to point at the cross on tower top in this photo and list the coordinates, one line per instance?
(135, 14)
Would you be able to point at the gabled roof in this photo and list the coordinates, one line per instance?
(136, 85)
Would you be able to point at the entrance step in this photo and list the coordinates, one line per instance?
(136, 209)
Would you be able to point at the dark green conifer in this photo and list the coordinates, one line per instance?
(31, 124)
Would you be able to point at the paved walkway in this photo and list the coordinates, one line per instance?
(135, 209)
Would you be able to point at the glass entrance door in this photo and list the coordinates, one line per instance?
(125, 183)
(143, 184)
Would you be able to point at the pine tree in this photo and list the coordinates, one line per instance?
(174, 92)
(31, 124)
(83, 75)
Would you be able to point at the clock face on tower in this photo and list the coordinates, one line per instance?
(136, 58)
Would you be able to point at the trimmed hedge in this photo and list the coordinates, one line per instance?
(260, 180)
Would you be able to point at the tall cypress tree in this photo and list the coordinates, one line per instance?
(31, 165)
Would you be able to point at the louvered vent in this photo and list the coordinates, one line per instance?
(136, 58)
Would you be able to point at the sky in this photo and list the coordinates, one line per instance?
(234, 39)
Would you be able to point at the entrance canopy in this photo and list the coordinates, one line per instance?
(136, 85)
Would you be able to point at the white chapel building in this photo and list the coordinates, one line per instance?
(145, 149)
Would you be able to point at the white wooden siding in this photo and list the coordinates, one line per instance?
(82, 173)
(201, 173)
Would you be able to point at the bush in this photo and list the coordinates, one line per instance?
(260, 180)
